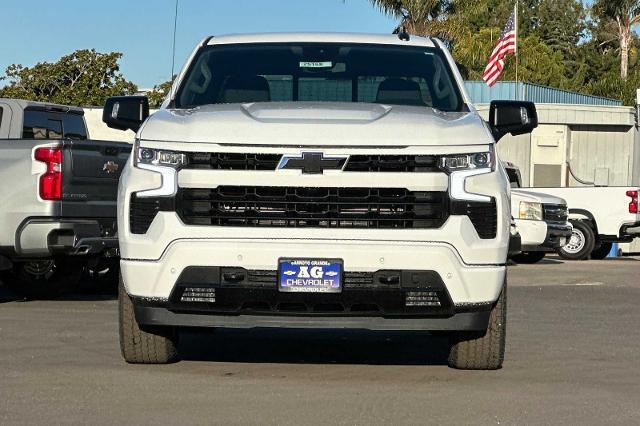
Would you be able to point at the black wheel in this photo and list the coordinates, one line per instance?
(148, 345)
(529, 257)
(602, 251)
(580, 244)
(482, 350)
(43, 279)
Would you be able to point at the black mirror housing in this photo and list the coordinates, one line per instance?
(125, 112)
(512, 117)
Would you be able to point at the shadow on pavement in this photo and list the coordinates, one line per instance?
(623, 258)
(545, 261)
(314, 347)
(551, 261)
(88, 290)
(7, 295)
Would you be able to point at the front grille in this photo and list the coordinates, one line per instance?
(392, 163)
(356, 163)
(244, 206)
(232, 161)
(555, 213)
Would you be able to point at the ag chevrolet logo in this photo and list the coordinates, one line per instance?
(312, 162)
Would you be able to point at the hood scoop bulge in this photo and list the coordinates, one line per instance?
(312, 112)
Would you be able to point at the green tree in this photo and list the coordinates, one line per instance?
(445, 19)
(84, 77)
(159, 93)
(561, 25)
(621, 16)
(538, 62)
(494, 14)
(610, 85)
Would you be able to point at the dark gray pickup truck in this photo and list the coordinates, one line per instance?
(58, 192)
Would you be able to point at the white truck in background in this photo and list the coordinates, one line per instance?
(540, 219)
(58, 218)
(600, 215)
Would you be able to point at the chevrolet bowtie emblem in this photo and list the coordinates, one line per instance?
(313, 162)
(110, 167)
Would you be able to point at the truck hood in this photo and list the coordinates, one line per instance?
(317, 124)
(538, 197)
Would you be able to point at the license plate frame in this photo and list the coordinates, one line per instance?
(332, 275)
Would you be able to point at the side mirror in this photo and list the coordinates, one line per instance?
(513, 117)
(125, 112)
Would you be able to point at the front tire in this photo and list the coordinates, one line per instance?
(483, 350)
(151, 345)
(529, 257)
(581, 243)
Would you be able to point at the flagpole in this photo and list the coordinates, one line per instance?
(516, 84)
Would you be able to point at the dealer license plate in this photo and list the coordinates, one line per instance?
(310, 275)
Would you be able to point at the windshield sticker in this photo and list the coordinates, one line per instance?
(325, 64)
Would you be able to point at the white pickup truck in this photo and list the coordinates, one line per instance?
(600, 216)
(58, 190)
(316, 181)
(540, 219)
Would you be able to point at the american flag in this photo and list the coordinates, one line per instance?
(506, 45)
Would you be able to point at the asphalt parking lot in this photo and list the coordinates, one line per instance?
(573, 356)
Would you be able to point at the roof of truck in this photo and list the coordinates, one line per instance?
(320, 38)
(23, 104)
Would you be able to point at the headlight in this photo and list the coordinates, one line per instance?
(530, 211)
(479, 160)
(159, 157)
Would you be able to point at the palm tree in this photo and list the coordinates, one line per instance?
(416, 16)
(624, 16)
(439, 18)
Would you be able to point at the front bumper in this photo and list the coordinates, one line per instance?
(162, 316)
(465, 283)
(557, 235)
(544, 235)
(383, 300)
(43, 237)
(515, 244)
(533, 232)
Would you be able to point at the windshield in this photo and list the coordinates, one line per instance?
(320, 72)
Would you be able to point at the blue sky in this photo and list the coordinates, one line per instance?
(44, 30)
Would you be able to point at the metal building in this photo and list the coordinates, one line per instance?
(577, 145)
